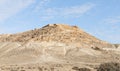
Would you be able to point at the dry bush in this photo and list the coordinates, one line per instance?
(116, 45)
(40, 69)
(22, 70)
(111, 66)
(84, 69)
(96, 48)
(81, 69)
(13, 70)
(75, 68)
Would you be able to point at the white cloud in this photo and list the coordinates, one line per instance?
(112, 20)
(77, 9)
(40, 5)
(12, 7)
(72, 12)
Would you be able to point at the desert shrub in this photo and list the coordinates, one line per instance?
(22, 70)
(116, 45)
(22, 67)
(34, 67)
(96, 48)
(111, 66)
(13, 70)
(40, 69)
(84, 69)
(81, 69)
(52, 69)
(75, 68)
(29, 68)
(45, 69)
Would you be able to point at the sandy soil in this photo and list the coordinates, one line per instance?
(46, 56)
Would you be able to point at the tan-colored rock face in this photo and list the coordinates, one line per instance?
(57, 32)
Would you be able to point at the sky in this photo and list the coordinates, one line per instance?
(100, 18)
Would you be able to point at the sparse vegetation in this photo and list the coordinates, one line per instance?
(80, 69)
(116, 45)
(22, 70)
(112, 66)
(40, 69)
(13, 70)
(56, 48)
(96, 48)
(84, 69)
(75, 68)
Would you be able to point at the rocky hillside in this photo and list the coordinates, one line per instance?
(64, 46)
(58, 33)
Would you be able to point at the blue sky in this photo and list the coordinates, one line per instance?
(100, 18)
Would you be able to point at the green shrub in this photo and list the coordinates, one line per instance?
(112, 66)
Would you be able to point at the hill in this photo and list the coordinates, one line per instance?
(54, 47)
(58, 33)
